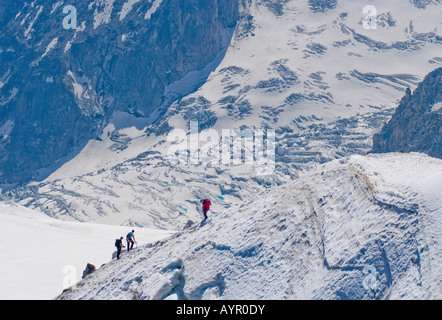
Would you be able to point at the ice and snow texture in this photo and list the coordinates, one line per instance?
(309, 239)
(320, 79)
(50, 46)
(155, 5)
(437, 107)
(127, 7)
(103, 12)
(40, 256)
(31, 24)
(6, 129)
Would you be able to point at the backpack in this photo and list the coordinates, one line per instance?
(206, 204)
(118, 243)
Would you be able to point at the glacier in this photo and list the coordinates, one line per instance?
(322, 81)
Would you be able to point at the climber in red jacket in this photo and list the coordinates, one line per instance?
(206, 207)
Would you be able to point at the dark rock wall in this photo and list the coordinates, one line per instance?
(120, 65)
(416, 126)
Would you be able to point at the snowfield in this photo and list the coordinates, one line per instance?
(41, 256)
(362, 227)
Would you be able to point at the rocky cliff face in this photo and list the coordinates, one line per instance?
(417, 123)
(59, 87)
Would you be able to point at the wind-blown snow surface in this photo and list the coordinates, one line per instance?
(313, 238)
(316, 76)
(40, 256)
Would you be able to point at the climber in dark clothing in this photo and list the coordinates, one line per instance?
(119, 245)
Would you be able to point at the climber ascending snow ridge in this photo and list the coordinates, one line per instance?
(130, 238)
(206, 207)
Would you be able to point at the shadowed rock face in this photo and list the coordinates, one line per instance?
(417, 123)
(61, 86)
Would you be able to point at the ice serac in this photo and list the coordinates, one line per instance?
(363, 227)
(417, 123)
(61, 86)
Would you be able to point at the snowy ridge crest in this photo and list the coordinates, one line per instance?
(314, 238)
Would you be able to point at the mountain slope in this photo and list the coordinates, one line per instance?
(310, 71)
(317, 237)
(59, 86)
(42, 256)
(417, 123)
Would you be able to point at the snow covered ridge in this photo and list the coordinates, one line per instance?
(41, 256)
(363, 227)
